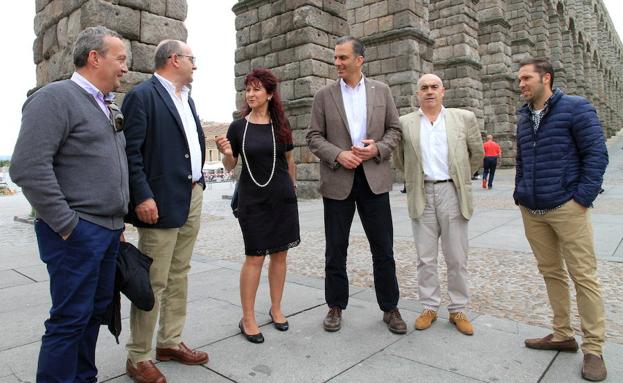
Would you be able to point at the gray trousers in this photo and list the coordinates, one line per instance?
(441, 219)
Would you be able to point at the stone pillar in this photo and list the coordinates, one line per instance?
(398, 47)
(142, 24)
(555, 48)
(295, 39)
(497, 76)
(454, 27)
(539, 27)
(568, 60)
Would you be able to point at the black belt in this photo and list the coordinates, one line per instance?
(438, 181)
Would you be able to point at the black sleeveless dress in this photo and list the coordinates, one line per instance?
(268, 216)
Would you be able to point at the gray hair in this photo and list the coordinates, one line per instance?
(358, 47)
(164, 50)
(91, 39)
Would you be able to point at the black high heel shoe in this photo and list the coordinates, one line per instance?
(255, 338)
(279, 326)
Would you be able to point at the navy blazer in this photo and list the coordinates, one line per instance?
(158, 154)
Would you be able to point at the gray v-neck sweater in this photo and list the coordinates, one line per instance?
(69, 161)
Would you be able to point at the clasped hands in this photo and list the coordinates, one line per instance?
(352, 158)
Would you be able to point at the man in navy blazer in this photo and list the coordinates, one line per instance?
(165, 150)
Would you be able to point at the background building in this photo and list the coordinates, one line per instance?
(474, 45)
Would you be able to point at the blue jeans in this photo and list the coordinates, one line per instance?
(82, 277)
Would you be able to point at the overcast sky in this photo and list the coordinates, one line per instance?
(211, 35)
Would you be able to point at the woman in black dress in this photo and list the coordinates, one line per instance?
(267, 205)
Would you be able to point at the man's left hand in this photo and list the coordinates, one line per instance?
(370, 150)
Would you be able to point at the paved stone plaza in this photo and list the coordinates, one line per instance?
(508, 302)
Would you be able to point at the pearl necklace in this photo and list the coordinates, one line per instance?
(244, 154)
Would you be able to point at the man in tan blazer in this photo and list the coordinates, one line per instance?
(354, 129)
(440, 150)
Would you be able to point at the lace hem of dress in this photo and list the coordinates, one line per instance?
(274, 249)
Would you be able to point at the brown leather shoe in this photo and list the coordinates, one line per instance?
(394, 321)
(594, 368)
(333, 320)
(547, 343)
(426, 319)
(144, 372)
(182, 354)
(462, 323)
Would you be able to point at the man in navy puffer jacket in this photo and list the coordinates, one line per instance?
(561, 159)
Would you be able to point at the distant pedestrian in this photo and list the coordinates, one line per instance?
(70, 162)
(561, 160)
(490, 162)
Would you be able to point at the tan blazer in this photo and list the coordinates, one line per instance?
(329, 135)
(465, 154)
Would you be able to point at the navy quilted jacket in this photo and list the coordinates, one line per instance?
(566, 158)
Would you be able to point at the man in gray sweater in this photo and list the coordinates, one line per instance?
(70, 162)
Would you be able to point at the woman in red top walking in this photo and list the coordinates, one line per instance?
(492, 153)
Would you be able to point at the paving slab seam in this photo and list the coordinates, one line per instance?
(437, 368)
(366, 358)
(19, 345)
(496, 227)
(551, 362)
(25, 276)
(218, 373)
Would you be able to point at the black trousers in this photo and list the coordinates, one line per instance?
(490, 163)
(376, 218)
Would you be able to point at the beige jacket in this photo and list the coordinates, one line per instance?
(465, 154)
(329, 135)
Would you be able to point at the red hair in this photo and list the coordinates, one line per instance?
(275, 107)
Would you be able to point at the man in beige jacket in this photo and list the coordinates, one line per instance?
(440, 150)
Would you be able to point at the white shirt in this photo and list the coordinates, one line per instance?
(100, 97)
(434, 147)
(188, 120)
(356, 110)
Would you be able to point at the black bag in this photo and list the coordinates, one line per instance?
(234, 201)
(132, 277)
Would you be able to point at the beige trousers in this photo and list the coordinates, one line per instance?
(171, 250)
(441, 219)
(562, 243)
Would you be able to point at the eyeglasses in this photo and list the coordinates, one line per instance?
(191, 58)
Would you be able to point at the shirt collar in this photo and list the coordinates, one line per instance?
(345, 85)
(92, 89)
(531, 106)
(169, 86)
(442, 113)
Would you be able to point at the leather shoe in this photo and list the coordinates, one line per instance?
(144, 372)
(255, 338)
(462, 323)
(182, 354)
(284, 326)
(333, 320)
(425, 319)
(547, 343)
(594, 368)
(394, 321)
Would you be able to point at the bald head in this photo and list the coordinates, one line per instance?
(489, 137)
(430, 92)
(429, 77)
(165, 49)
